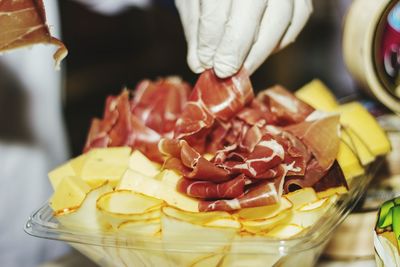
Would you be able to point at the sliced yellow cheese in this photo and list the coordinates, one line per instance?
(56, 175)
(127, 202)
(71, 168)
(307, 218)
(85, 216)
(178, 234)
(147, 227)
(317, 95)
(301, 197)
(256, 226)
(169, 177)
(309, 214)
(140, 183)
(78, 163)
(202, 218)
(349, 162)
(285, 231)
(208, 156)
(264, 212)
(105, 164)
(353, 115)
(140, 163)
(70, 193)
(358, 147)
(121, 206)
(333, 191)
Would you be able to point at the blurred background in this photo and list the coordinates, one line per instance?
(109, 52)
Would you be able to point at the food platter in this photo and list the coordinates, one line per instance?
(137, 201)
(111, 249)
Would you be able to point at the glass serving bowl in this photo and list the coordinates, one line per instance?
(113, 249)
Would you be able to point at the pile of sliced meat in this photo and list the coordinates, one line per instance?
(233, 150)
(140, 120)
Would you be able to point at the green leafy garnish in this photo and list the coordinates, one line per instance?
(383, 214)
(396, 223)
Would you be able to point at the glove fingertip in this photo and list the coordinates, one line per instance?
(224, 71)
(251, 67)
(194, 64)
(205, 59)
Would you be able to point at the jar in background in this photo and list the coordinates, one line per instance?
(371, 47)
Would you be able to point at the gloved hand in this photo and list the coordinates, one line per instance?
(226, 34)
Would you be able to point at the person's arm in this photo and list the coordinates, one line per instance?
(228, 34)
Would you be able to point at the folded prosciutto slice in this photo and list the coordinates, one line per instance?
(141, 120)
(212, 99)
(192, 165)
(209, 190)
(317, 179)
(232, 149)
(321, 136)
(23, 23)
(260, 194)
(284, 105)
(159, 104)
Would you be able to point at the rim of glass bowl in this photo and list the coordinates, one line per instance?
(43, 224)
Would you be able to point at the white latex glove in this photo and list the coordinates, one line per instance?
(226, 34)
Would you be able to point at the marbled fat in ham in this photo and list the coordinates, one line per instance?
(317, 179)
(209, 190)
(321, 136)
(212, 99)
(267, 135)
(262, 194)
(141, 120)
(159, 104)
(190, 163)
(284, 105)
(260, 147)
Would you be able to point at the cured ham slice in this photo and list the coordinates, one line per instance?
(23, 23)
(159, 104)
(137, 121)
(209, 190)
(318, 179)
(213, 98)
(120, 128)
(321, 136)
(259, 164)
(267, 154)
(263, 194)
(190, 163)
(284, 105)
(235, 179)
(97, 135)
(334, 178)
(313, 173)
(257, 114)
(297, 155)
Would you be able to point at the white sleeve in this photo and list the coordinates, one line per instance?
(111, 7)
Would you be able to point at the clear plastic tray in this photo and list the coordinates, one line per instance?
(111, 249)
